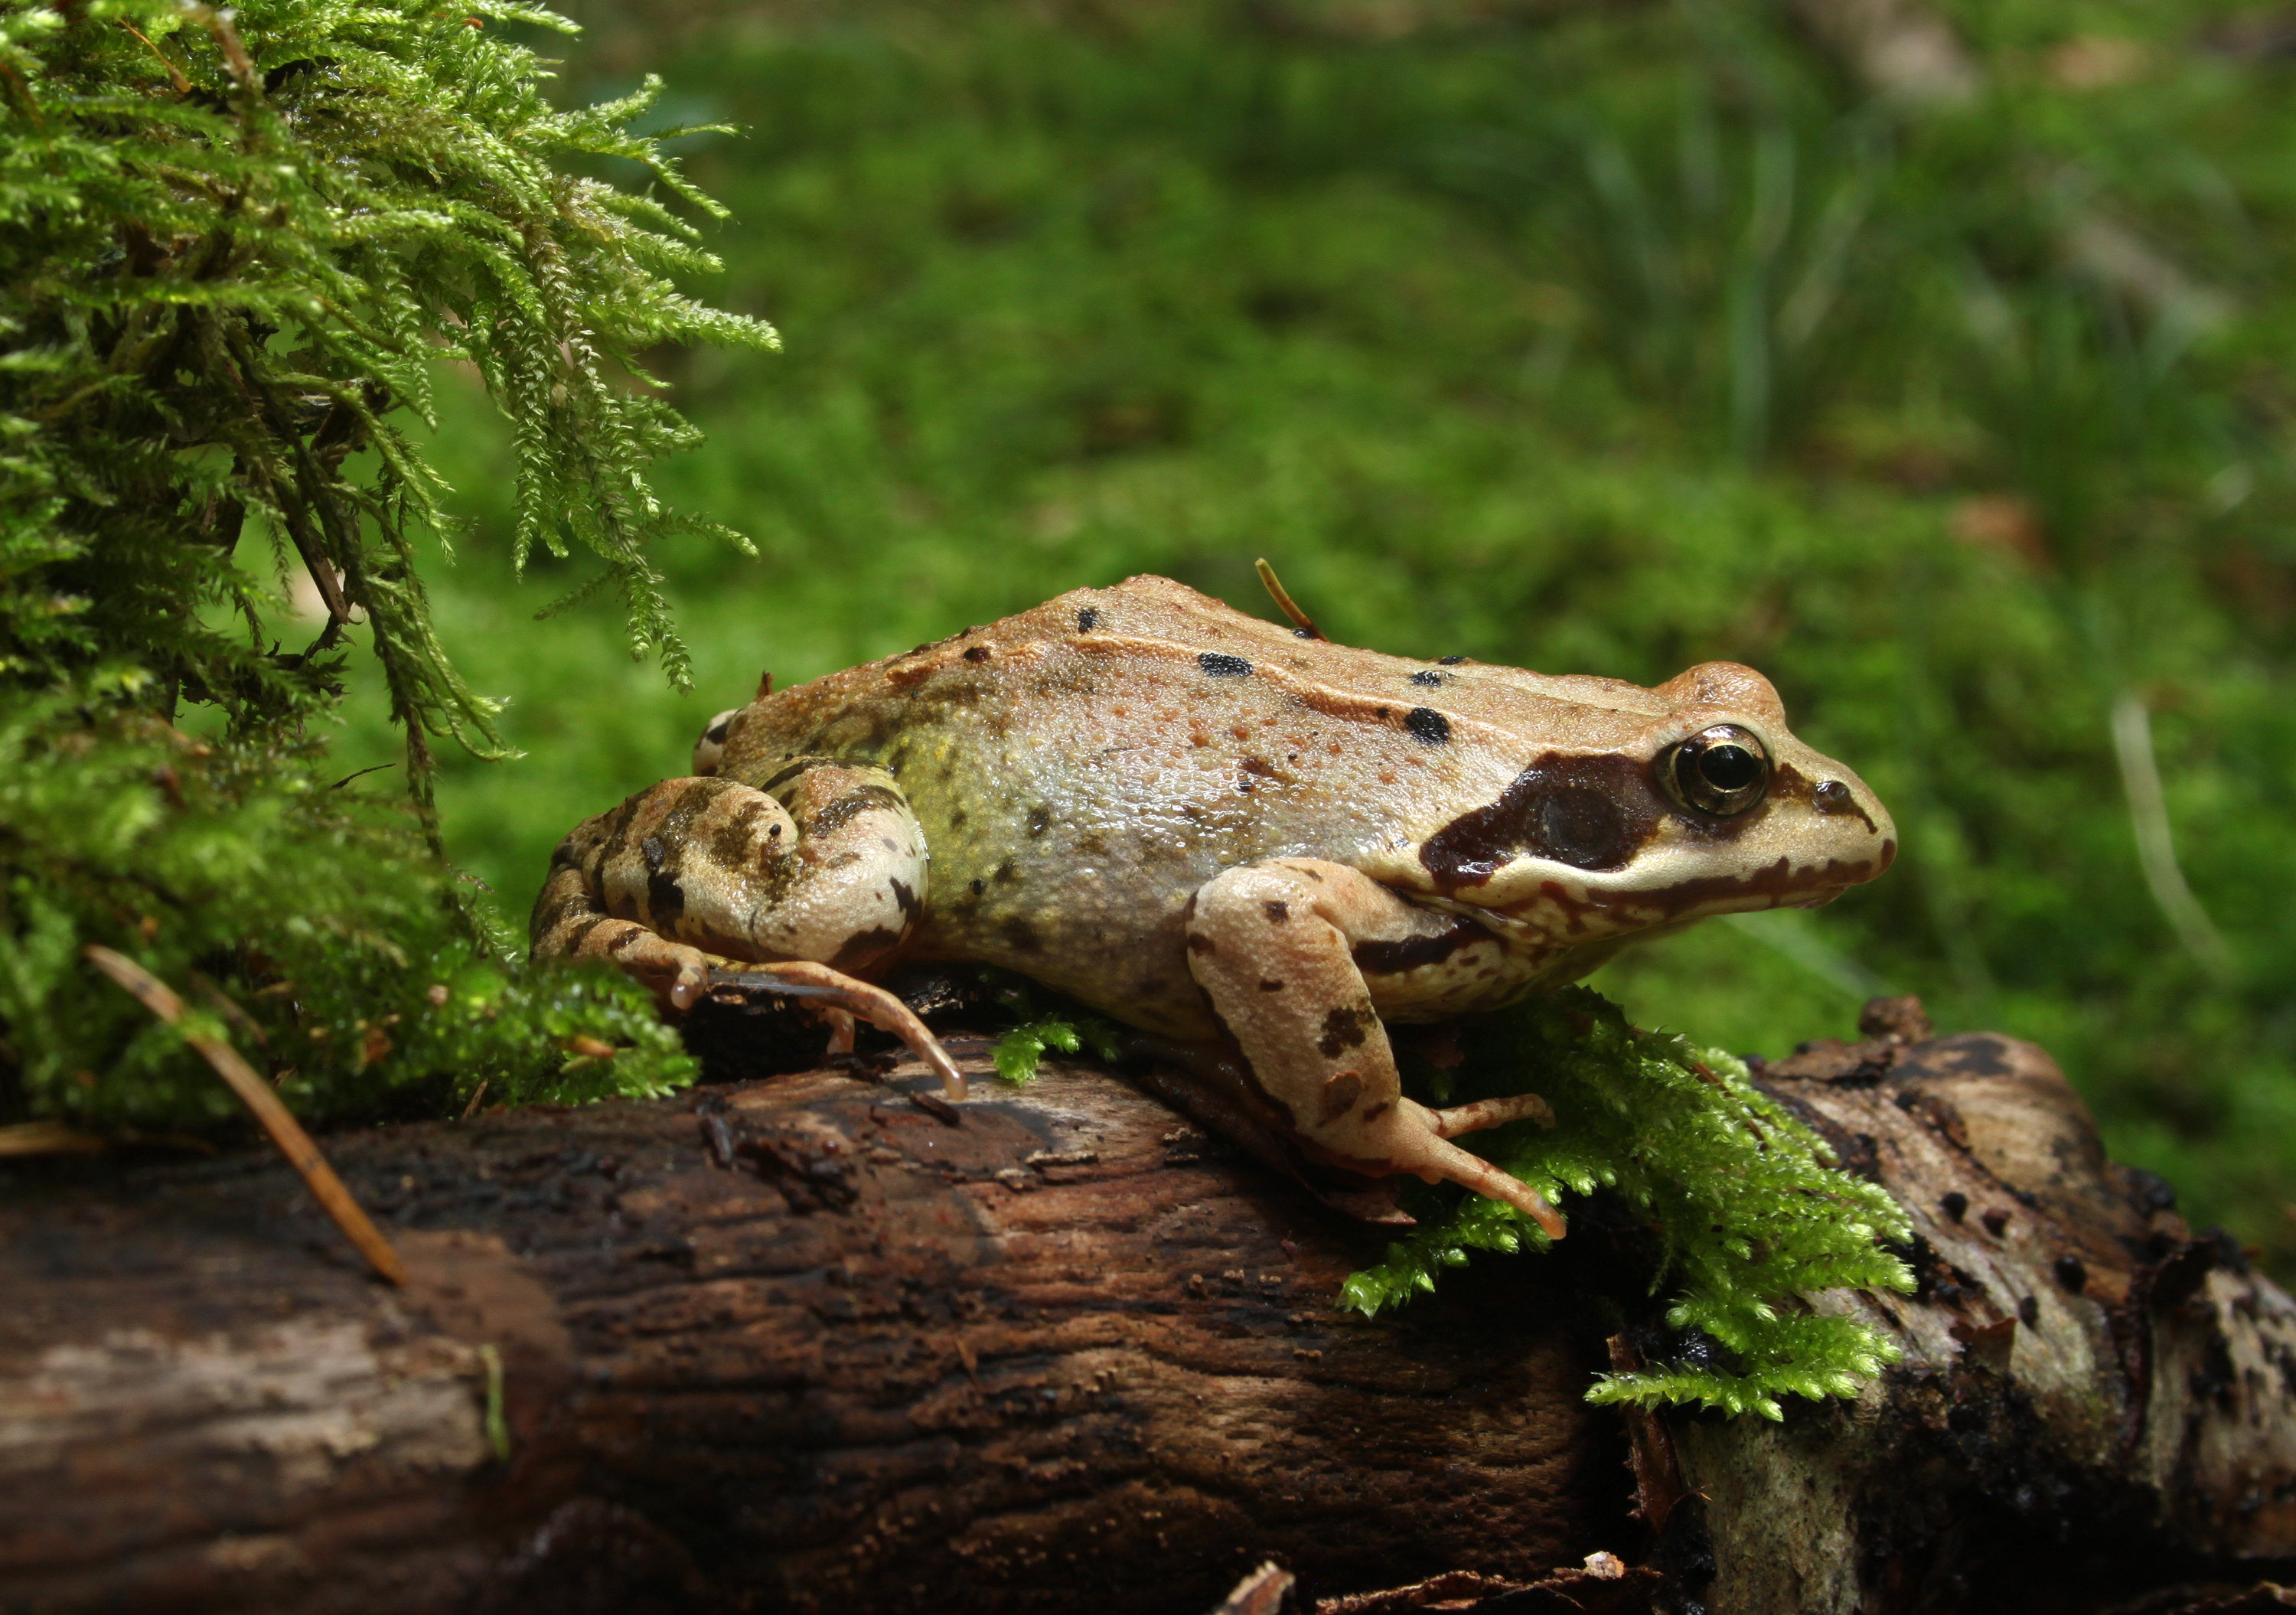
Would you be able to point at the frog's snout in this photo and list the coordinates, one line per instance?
(1855, 815)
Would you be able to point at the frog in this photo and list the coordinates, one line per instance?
(1266, 852)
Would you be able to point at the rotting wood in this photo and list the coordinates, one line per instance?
(809, 1343)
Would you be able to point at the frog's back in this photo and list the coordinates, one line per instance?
(1081, 768)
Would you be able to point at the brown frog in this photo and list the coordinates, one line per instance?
(1255, 844)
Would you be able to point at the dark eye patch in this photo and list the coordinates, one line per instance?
(1588, 812)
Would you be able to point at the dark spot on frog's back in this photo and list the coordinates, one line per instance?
(1088, 621)
(1040, 819)
(1428, 726)
(977, 654)
(1220, 664)
(1428, 678)
(1588, 812)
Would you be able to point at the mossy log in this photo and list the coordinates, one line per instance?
(822, 1343)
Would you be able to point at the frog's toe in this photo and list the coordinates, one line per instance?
(1491, 1113)
(677, 974)
(691, 981)
(1484, 1179)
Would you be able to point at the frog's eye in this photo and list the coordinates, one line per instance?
(1722, 771)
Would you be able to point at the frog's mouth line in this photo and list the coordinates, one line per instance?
(1594, 913)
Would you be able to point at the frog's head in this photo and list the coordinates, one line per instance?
(1677, 803)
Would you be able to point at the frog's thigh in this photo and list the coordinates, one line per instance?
(852, 889)
(1273, 945)
(828, 866)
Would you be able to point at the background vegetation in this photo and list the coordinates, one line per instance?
(1602, 337)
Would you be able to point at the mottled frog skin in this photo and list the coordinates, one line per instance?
(1225, 832)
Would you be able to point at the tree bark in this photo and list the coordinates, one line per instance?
(821, 1342)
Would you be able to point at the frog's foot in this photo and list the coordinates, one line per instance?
(1280, 949)
(859, 1000)
(1416, 1139)
(840, 1029)
(679, 974)
(1210, 1083)
(828, 864)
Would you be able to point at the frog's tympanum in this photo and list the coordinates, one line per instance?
(1235, 836)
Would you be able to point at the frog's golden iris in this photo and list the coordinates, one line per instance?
(1722, 770)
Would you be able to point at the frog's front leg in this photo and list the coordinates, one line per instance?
(1275, 946)
(825, 865)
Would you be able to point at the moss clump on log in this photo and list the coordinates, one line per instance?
(1750, 1213)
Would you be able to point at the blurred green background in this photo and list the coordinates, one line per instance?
(1603, 338)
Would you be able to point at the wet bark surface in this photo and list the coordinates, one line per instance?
(820, 1341)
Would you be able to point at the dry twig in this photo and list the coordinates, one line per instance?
(256, 1094)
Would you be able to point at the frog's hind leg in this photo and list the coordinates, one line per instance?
(572, 920)
(824, 867)
(1275, 946)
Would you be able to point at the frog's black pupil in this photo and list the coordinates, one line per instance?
(1728, 767)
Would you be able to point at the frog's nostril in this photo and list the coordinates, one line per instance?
(1832, 796)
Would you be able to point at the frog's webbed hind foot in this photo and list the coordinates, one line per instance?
(856, 999)
(677, 972)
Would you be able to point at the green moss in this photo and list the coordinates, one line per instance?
(309, 923)
(234, 245)
(1042, 1022)
(1749, 1214)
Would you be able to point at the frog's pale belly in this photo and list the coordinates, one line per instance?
(1203, 823)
